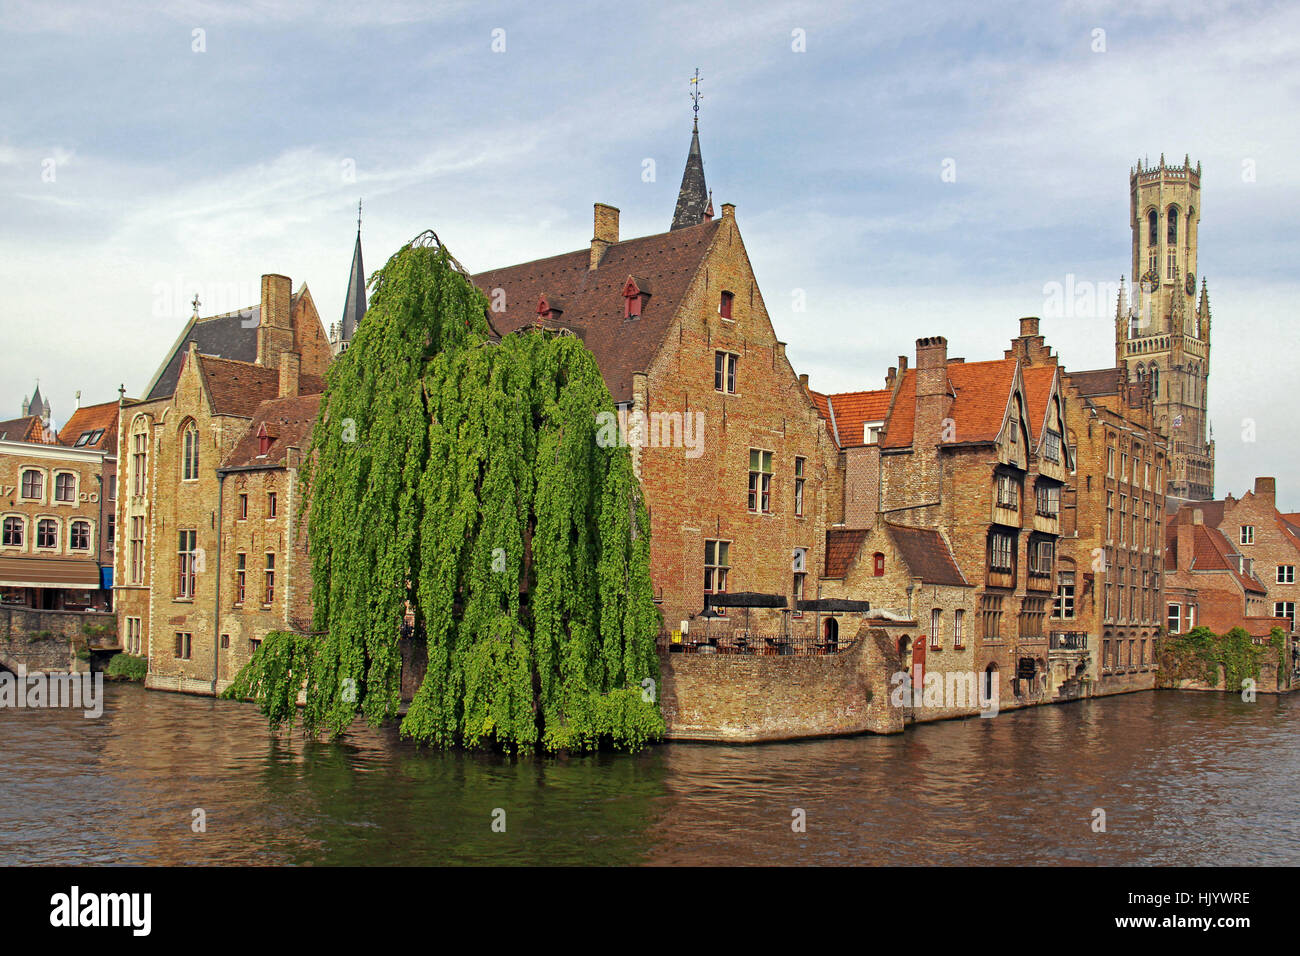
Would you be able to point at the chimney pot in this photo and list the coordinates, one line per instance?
(1266, 488)
(728, 210)
(1028, 326)
(803, 379)
(290, 364)
(604, 233)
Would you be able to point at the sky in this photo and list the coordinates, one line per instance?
(899, 169)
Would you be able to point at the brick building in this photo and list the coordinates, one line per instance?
(57, 503)
(215, 395)
(733, 457)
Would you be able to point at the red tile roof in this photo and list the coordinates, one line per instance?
(88, 420)
(592, 299)
(841, 548)
(850, 412)
(927, 555)
(27, 428)
(237, 388)
(1038, 390)
(981, 392)
(1210, 552)
(288, 420)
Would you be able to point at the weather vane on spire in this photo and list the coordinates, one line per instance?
(695, 96)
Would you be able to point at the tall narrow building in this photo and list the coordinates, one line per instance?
(1162, 337)
(354, 306)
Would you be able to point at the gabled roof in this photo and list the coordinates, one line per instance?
(288, 421)
(593, 298)
(238, 388)
(850, 412)
(27, 428)
(1210, 552)
(980, 390)
(927, 555)
(1038, 392)
(92, 426)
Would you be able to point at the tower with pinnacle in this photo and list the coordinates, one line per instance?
(1162, 328)
(354, 305)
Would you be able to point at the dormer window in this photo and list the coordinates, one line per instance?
(871, 432)
(264, 439)
(549, 308)
(724, 304)
(635, 293)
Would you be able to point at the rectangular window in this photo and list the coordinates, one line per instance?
(1110, 516)
(270, 504)
(1008, 492)
(1001, 551)
(1042, 553)
(1032, 613)
(133, 635)
(269, 597)
(1049, 500)
(760, 481)
(65, 487)
(1063, 605)
(184, 645)
(243, 507)
(724, 304)
(1123, 468)
(1175, 618)
(111, 487)
(137, 550)
(991, 617)
(798, 487)
(1052, 445)
(1286, 574)
(13, 532)
(936, 629)
(253, 645)
(33, 484)
(958, 633)
(724, 372)
(241, 576)
(225, 642)
(1110, 462)
(717, 564)
(799, 583)
(1123, 519)
(110, 532)
(1247, 534)
(185, 564)
(1285, 609)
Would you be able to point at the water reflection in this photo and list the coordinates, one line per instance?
(1183, 779)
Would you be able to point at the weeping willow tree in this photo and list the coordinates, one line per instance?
(462, 477)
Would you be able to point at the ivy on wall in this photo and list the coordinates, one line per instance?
(460, 477)
(1198, 655)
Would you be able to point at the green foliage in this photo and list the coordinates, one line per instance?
(1198, 654)
(276, 676)
(127, 667)
(461, 478)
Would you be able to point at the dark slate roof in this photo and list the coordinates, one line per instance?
(1098, 381)
(38, 405)
(926, 555)
(354, 307)
(288, 422)
(592, 299)
(228, 336)
(693, 197)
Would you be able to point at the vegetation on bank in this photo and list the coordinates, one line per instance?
(126, 667)
(460, 477)
(1198, 654)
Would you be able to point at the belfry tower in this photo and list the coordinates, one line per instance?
(1162, 337)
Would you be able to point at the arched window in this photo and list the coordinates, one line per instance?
(47, 533)
(1155, 380)
(990, 679)
(13, 531)
(79, 536)
(1153, 228)
(878, 565)
(65, 487)
(1173, 226)
(831, 631)
(189, 451)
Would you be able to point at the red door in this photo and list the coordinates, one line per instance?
(918, 662)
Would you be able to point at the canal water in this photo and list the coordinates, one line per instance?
(1183, 779)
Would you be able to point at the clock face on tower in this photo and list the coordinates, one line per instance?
(1150, 281)
(1190, 284)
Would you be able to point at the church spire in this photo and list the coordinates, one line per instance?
(354, 308)
(693, 197)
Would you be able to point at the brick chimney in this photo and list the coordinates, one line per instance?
(931, 390)
(803, 379)
(290, 363)
(605, 233)
(1187, 537)
(1028, 327)
(1266, 488)
(275, 321)
(728, 210)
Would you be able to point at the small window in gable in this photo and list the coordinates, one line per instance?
(724, 304)
(264, 439)
(634, 298)
(878, 565)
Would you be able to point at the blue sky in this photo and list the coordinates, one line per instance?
(175, 169)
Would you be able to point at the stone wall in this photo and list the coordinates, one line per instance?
(32, 640)
(750, 699)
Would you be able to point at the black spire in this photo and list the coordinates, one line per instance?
(693, 197)
(354, 309)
